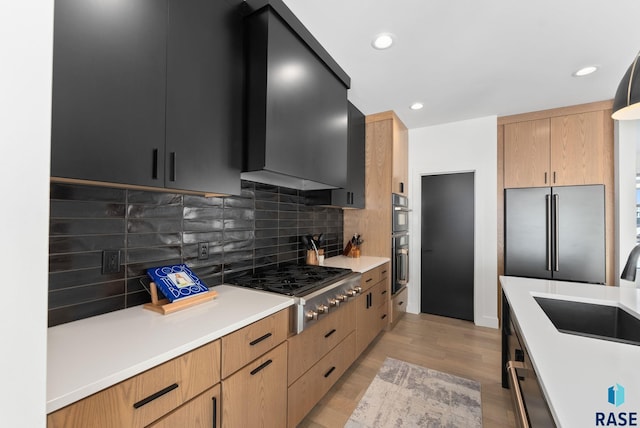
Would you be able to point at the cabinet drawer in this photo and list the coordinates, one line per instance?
(380, 293)
(308, 347)
(399, 305)
(384, 271)
(201, 412)
(140, 400)
(369, 279)
(256, 396)
(246, 344)
(313, 385)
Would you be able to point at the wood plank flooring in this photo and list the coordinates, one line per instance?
(449, 345)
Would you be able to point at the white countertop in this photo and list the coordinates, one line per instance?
(357, 264)
(575, 372)
(86, 356)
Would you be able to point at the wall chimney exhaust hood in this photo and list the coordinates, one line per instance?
(296, 97)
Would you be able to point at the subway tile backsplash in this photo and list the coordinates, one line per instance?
(261, 227)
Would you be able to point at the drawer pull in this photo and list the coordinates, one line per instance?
(330, 371)
(330, 333)
(384, 271)
(215, 412)
(154, 396)
(383, 317)
(260, 367)
(260, 339)
(401, 303)
(369, 280)
(384, 292)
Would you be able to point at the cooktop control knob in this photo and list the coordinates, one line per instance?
(351, 293)
(322, 309)
(311, 315)
(333, 302)
(341, 297)
(358, 289)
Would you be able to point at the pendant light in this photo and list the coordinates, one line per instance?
(626, 104)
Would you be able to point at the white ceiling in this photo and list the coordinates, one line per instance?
(472, 58)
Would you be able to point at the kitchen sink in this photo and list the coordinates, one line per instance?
(592, 320)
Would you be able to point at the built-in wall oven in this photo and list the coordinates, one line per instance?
(399, 243)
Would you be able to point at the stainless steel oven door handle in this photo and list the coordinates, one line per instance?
(521, 411)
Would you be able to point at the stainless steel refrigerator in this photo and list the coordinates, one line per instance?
(556, 233)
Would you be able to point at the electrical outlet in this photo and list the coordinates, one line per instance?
(203, 251)
(110, 261)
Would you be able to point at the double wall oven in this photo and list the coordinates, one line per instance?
(399, 243)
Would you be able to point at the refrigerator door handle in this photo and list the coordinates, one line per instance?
(549, 236)
(556, 204)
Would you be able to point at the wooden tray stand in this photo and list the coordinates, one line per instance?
(164, 307)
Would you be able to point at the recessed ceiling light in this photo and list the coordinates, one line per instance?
(382, 41)
(585, 71)
(416, 106)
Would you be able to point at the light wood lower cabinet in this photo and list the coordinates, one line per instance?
(244, 345)
(306, 348)
(372, 314)
(142, 399)
(314, 384)
(256, 395)
(201, 412)
(399, 305)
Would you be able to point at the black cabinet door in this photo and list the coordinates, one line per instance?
(109, 75)
(204, 96)
(352, 196)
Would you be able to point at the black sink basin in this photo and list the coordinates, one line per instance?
(592, 320)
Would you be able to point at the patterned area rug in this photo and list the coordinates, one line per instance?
(407, 395)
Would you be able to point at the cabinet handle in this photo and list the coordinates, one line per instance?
(215, 412)
(154, 396)
(384, 271)
(384, 292)
(383, 316)
(330, 333)
(260, 367)
(401, 187)
(173, 166)
(369, 280)
(400, 304)
(545, 178)
(154, 172)
(260, 339)
(330, 371)
(554, 177)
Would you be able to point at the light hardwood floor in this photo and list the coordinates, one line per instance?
(449, 345)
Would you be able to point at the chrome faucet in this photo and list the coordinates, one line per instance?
(629, 271)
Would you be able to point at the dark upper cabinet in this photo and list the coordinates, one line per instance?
(148, 92)
(352, 195)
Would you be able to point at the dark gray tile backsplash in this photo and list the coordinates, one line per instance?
(261, 227)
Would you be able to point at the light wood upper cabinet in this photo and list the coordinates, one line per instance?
(577, 149)
(558, 151)
(386, 172)
(526, 153)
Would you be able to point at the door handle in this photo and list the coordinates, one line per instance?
(556, 214)
(549, 237)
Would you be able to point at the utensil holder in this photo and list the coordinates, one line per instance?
(312, 258)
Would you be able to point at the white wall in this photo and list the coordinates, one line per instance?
(468, 146)
(26, 37)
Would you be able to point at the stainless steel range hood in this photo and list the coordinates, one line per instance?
(297, 111)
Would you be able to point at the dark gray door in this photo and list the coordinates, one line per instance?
(447, 245)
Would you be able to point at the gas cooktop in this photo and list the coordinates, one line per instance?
(290, 279)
